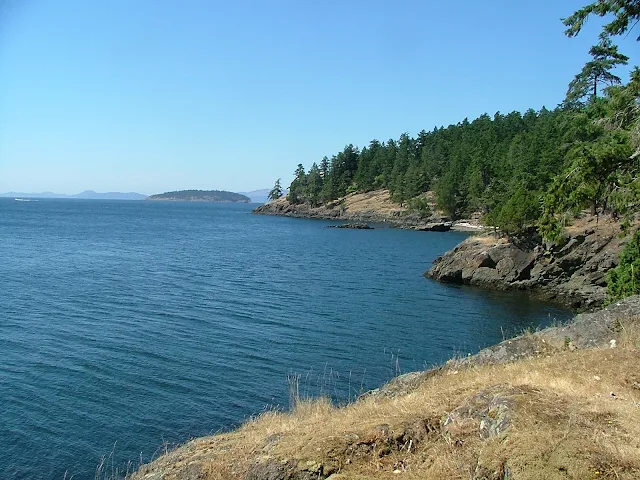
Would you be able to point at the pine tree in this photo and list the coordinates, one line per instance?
(314, 186)
(298, 186)
(624, 280)
(276, 191)
(596, 72)
(625, 13)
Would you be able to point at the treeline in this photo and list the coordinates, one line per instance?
(472, 166)
(519, 170)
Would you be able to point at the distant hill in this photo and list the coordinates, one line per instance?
(261, 196)
(90, 194)
(201, 196)
(258, 196)
(87, 194)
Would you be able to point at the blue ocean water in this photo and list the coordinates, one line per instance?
(126, 327)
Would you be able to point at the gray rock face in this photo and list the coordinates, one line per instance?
(595, 329)
(488, 412)
(336, 211)
(355, 226)
(268, 468)
(432, 227)
(572, 273)
(586, 330)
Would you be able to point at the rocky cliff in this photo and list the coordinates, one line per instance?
(572, 272)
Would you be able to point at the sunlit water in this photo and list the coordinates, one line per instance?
(129, 326)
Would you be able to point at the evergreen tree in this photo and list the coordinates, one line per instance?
(314, 186)
(324, 167)
(276, 191)
(520, 211)
(624, 280)
(596, 72)
(602, 163)
(404, 157)
(298, 186)
(625, 13)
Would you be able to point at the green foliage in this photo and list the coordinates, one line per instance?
(450, 196)
(471, 166)
(298, 186)
(624, 280)
(276, 191)
(602, 159)
(353, 188)
(605, 57)
(313, 182)
(625, 13)
(522, 210)
(517, 169)
(420, 205)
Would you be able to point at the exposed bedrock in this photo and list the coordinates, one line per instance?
(572, 272)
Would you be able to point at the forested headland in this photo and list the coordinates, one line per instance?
(519, 169)
(524, 173)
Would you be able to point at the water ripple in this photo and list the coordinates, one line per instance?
(138, 323)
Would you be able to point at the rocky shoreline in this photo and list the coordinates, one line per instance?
(571, 272)
(371, 207)
(598, 329)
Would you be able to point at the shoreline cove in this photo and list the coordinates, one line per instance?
(143, 323)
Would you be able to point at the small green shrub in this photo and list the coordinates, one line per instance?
(420, 205)
(624, 280)
(353, 188)
(519, 212)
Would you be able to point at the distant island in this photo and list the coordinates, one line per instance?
(87, 195)
(201, 196)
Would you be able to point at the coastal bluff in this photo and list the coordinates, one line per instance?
(571, 272)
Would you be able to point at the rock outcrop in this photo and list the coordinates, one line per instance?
(355, 226)
(572, 272)
(433, 227)
(370, 207)
(358, 208)
(600, 329)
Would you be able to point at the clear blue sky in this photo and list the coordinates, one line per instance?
(156, 95)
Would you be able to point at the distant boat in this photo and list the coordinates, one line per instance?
(24, 200)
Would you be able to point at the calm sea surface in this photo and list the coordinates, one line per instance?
(128, 326)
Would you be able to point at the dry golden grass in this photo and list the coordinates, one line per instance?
(378, 201)
(564, 424)
(488, 240)
(602, 224)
